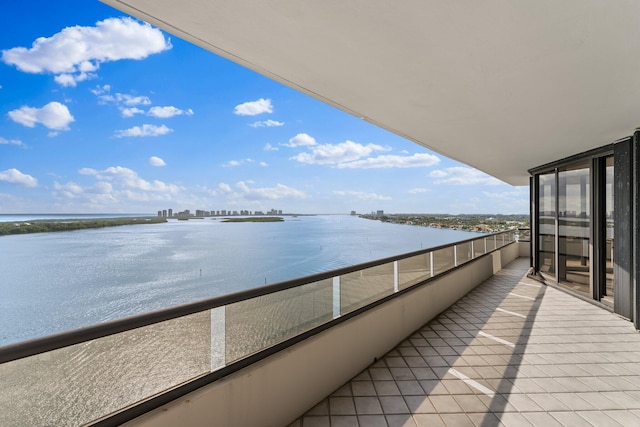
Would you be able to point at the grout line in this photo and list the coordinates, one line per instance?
(471, 382)
(511, 312)
(496, 339)
(529, 284)
(521, 296)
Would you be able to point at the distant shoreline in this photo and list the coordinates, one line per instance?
(71, 224)
(255, 219)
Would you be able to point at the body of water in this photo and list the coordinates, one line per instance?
(52, 282)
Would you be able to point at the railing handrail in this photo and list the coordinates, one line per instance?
(60, 340)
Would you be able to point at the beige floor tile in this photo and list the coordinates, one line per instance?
(574, 364)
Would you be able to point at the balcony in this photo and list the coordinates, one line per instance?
(511, 351)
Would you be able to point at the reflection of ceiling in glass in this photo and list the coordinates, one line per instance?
(574, 192)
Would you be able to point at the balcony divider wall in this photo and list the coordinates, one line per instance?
(585, 226)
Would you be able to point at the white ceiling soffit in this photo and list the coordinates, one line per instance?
(502, 86)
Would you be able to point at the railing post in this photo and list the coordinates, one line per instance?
(336, 297)
(473, 250)
(396, 286)
(431, 262)
(455, 255)
(484, 239)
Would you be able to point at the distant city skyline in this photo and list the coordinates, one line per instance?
(187, 213)
(102, 113)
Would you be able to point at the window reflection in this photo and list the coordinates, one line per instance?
(608, 253)
(573, 227)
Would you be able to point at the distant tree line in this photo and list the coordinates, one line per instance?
(255, 219)
(469, 222)
(46, 225)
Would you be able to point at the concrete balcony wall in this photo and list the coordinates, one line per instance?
(280, 388)
(524, 249)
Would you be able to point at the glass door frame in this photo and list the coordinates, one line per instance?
(597, 221)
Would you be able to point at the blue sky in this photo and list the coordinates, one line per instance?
(102, 113)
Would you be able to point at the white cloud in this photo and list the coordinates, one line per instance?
(99, 90)
(71, 190)
(225, 188)
(128, 178)
(234, 163)
(115, 187)
(515, 200)
(301, 140)
(169, 111)
(418, 190)
(266, 123)
(417, 160)
(242, 191)
(126, 103)
(270, 147)
(438, 174)
(254, 108)
(120, 99)
(280, 191)
(14, 176)
(156, 161)
(329, 154)
(516, 193)
(71, 80)
(54, 116)
(75, 53)
(263, 164)
(460, 175)
(130, 112)
(132, 100)
(361, 195)
(4, 141)
(144, 130)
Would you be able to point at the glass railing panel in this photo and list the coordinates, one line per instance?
(478, 247)
(463, 252)
(81, 383)
(363, 287)
(524, 234)
(413, 270)
(491, 243)
(443, 260)
(261, 322)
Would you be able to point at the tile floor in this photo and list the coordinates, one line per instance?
(512, 352)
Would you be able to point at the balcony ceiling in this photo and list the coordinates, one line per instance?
(502, 86)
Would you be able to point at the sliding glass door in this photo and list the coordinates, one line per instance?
(574, 215)
(575, 219)
(547, 225)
